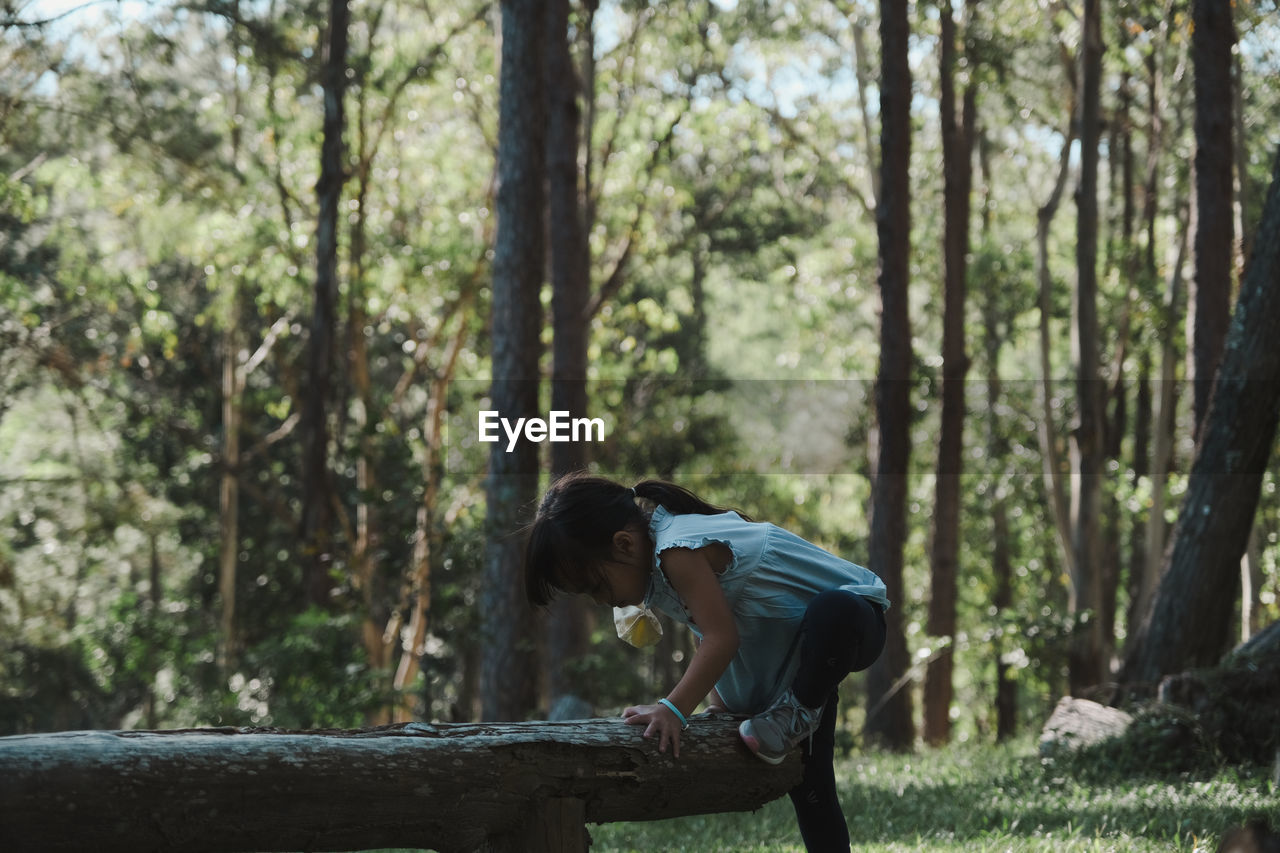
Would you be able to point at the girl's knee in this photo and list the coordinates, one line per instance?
(838, 606)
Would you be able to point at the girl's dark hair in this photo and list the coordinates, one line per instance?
(571, 536)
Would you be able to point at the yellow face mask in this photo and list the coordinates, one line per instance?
(637, 626)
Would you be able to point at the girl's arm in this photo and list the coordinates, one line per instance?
(694, 580)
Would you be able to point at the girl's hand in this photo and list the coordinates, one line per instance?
(658, 720)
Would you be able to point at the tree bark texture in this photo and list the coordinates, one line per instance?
(444, 787)
(1087, 661)
(889, 718)
(957, 155)
(1189, 623)
(315, 472)
(569, 254)
(568, 630)
(509, 674)
(1212, 37)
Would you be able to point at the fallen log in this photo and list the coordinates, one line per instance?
(447, 787)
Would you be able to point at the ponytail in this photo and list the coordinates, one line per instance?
(571, 536)
(678, 500)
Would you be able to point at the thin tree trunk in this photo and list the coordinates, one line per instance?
(957, 155)
(568, 631)
(890, 713)
(1130, 267)
(1189, 622)
(1168, 385)
(365, 548)
(1244, 184)
(996, 322)
(415, 593)
(1162, 447)
(994, 325)
(589, 108)
(1087, 664)
(1142, 426)
(155, 592)
(509, 681)
(1047, 430)
(229, 488)
(317, 488)
(860, 76)
(1051, 450)
(414, 647)
(1209, 303)
(1251, 580)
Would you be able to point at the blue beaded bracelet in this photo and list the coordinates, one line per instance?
(684, 724)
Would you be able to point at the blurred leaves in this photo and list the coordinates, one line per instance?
(157, 218)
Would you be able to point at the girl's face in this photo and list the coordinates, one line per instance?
(624, 579)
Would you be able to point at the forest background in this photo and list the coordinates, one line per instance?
(254, 289)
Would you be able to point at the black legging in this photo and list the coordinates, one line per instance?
(842, 633)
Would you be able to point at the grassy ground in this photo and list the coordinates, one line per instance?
(988, 799)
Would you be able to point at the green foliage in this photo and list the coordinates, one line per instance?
(309, 675)
(157, 218)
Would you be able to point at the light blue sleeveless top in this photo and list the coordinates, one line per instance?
(769, 583)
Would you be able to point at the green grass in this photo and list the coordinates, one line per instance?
(983, 799)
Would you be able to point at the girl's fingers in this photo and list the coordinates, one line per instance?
(653, 724)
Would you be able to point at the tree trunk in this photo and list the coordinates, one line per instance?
(1251, 581)
(1212, 38)
(957, 156)
(444, 787)
(1189, 622)
(860, 77)
(994, 325)
(568, 632)
(1168, 385)
(1047, 430)
(1142, 425)
(1162, 446)
(509, 681)
(229, 488)
(889, 717)
(365, 548)
(317, 492)
(418, 594)
(1244, 186)
(1087, 664)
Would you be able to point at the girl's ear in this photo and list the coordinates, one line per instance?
(624, 541)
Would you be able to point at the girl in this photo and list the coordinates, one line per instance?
(779, 621)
